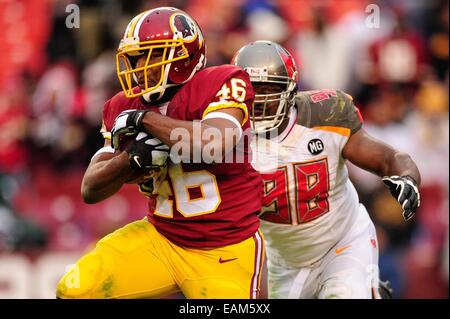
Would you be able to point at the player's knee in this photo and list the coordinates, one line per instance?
(345, 289)
(84, 279)
(335, 289)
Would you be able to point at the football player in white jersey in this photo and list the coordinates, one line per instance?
(321, 242)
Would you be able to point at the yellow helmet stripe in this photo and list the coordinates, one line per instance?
(127, 30)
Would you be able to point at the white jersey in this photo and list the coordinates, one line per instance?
(309, 202)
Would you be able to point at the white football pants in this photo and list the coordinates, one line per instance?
(348, 271)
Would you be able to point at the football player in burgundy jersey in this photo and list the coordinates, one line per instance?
(321, 242)
(200, 235)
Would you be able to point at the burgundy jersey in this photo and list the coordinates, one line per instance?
(210, 205)
(199, 204)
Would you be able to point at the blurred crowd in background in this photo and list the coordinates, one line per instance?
(54, 81)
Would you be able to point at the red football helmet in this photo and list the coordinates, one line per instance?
(176, 34)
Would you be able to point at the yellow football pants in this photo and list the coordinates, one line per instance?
(136, 261)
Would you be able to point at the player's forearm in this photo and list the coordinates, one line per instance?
(401, 164)
(104, 178)
(378, 157)
(166, 128)
(386, 161)
(190, 137)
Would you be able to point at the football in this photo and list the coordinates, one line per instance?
(139, 175)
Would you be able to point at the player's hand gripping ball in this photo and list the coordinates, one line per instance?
(147, 152)
(128, 123)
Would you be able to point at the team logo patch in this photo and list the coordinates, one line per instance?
(315, 146)
(185, 26)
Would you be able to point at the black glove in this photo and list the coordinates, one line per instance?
(404, 189)
(147, 152)
(385, 290)
(127, 123)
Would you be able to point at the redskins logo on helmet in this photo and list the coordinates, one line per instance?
(185, 26)
(269, 63)
(176, 36)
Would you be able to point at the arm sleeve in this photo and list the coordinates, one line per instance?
(236, 92)
(332, 109)
(352, 116)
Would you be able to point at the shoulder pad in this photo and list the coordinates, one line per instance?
(330, 108)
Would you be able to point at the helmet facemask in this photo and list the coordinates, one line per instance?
(128, 73)
(263, 119)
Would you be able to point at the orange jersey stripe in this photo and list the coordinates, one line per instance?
(335, 129)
